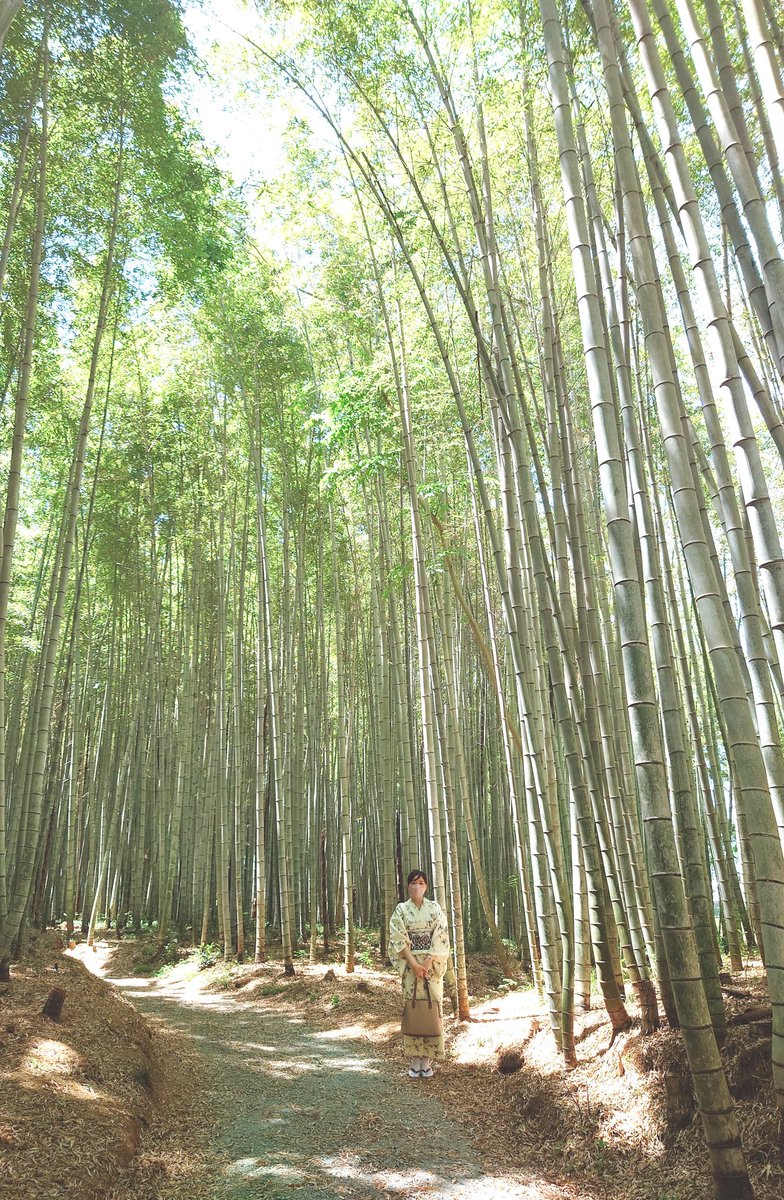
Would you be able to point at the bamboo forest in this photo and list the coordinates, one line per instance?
(402, 488)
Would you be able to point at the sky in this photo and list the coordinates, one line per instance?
(247, 125)
(247, 131)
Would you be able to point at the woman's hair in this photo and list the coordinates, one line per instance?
(417, 874)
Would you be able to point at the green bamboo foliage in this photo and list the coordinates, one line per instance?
(464, 556)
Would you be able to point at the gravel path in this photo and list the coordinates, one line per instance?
(307, 1114)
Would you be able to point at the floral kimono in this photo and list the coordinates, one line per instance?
(425, 932)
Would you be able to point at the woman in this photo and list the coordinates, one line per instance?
(419, 948)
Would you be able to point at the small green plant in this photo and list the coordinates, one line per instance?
(208, 954)
(335, 1001)
(365, 958)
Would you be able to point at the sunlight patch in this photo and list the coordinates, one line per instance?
(254, 1168)
(81, 1091)
(48, 1057)
(348, 1033)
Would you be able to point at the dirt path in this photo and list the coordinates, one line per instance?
(307, 1114)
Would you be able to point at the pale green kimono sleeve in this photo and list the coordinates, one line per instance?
(439, 945)
(398, 939)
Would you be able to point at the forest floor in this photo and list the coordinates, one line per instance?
(211, 1080)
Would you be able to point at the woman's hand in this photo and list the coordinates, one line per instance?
(420, 970)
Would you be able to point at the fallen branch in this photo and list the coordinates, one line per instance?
(750, 1015)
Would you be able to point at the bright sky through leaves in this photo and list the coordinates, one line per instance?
(246, 130)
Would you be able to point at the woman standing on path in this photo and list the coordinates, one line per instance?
(419, 948)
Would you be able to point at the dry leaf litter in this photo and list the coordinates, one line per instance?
(602, 1130)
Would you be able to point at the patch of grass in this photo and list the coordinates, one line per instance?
(158, 960)
(272, 989)
(164, 970)
(223, 978)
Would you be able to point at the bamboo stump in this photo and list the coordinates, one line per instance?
(54, 1004)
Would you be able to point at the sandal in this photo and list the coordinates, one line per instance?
(426, 1074)
(414, 1074)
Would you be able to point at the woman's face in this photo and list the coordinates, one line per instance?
(416, 889)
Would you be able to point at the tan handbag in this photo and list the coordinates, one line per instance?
(421, 1016)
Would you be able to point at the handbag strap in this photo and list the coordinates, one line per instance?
(427, 989)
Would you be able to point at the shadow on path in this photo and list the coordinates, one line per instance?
(310, 1115)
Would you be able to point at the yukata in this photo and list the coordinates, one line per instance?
(425, 932)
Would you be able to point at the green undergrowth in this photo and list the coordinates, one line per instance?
(141, 954)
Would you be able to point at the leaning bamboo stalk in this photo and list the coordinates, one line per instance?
(458, 754)
(749, 621)
(14, 475)
(344, 733)
(71, 513)
(713, 1096)
(731, 216)
(765, 85)
(768, 69)
(752, 203)
(273, 701)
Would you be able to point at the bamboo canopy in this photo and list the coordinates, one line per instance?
(417, 503)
